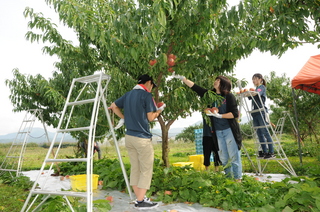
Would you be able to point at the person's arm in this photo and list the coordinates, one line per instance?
(153, 115)
(231, 108)
(153, 110)
(189, 83)
(227, 116)
(199, 90)
(117, 110)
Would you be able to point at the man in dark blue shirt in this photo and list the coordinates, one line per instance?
(139, 109)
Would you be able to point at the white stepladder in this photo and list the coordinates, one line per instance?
(280, 124)
(281, 157)
(89, 99)
(15, 155)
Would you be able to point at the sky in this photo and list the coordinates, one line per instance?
(17, 52)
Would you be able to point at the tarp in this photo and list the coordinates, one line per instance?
(308, 78)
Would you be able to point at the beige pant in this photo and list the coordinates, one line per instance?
(141, 154)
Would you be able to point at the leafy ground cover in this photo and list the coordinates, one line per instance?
(176, 184)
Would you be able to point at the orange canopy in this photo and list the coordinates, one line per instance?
(308, 78)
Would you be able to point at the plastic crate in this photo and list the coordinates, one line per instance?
(182, 164)
(199, 152)
(198, 141)
(198, 131)
(197, 161)
(79, 182)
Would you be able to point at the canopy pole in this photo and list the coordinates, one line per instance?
(297, 125)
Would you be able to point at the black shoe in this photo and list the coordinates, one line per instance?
(146, 199)
(269, 155)
(145, 205)
(262, 154)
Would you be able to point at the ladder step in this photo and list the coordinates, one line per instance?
(10, 170)
(37, 110)
(22, 132)
(265, 126)
(274, 142)
(273, 159)
(81, 102)
(68, 160)
(12, 156)
(92, 78)
(257, 110)
(73, 129)
(61, 193)
(27, 120)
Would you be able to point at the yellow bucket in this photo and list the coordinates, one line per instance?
(182, 164)
(79, 182)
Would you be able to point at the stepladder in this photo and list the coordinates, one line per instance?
(263, 134)
(84, 109)
(281, 122)
(14, 159)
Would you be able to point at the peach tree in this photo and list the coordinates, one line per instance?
(199, 39)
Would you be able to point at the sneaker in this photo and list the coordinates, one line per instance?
(145, 205)
(262, 154)
(146, 199)
(269, 155)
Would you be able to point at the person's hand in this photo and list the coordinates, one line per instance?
(162, 107)
(214, 114)
(178, 76)
(217, 115)
(120, 124)
(208, 111)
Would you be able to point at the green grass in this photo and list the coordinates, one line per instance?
(178, 152)
(13, 195)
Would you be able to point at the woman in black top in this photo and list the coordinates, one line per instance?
(225, 128)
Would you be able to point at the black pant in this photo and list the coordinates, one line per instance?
(96, 148)
(210, 146)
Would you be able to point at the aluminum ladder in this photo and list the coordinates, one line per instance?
(90, 97)
(15, 155)
(281, 157)
(280, 124)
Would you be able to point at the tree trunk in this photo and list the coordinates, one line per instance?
(165, 140)
(165, 146)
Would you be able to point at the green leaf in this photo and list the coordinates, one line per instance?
(162, 18)
(287, 209)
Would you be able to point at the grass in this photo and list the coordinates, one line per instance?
(13, 196)
(178, 152)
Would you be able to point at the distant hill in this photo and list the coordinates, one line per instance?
(172, 132)
(37, 135)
